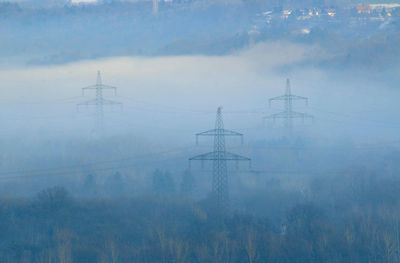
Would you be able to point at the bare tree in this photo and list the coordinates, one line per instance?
(64, 252)
(250, 244)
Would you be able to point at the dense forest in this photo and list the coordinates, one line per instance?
(357, 222)
(351, 215)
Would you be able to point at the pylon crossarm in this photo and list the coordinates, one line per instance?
(290, 96)
(224, 132)
(295, 97)
(101, 86)
(226, 156)
(204, 157)
(235, 157)
(291, 114)
(90, 87)
(283, 97)
(107, 87)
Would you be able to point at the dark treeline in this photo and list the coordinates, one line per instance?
(348, 216)
(64, 34)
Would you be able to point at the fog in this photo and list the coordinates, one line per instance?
(167, 100)
(178, 96)
(72, 190)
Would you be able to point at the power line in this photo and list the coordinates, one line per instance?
(74, 168)
(96, 163)
(347, 115)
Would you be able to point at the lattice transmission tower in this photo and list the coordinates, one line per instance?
(220, 187)
(288, 115)
(98, 102)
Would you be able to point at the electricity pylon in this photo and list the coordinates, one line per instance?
(220, 156)
(288, 114)
(99, 102)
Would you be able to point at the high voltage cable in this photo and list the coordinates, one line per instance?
(173, 109)
(169, 107)
(75, 168)
(88, 165)
(365, 122)
(181, 110)
(41, 102)
(353, 117)
(67, 172)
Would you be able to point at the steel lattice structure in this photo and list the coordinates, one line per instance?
(99, 102)
(288, 114)
(220, 156)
